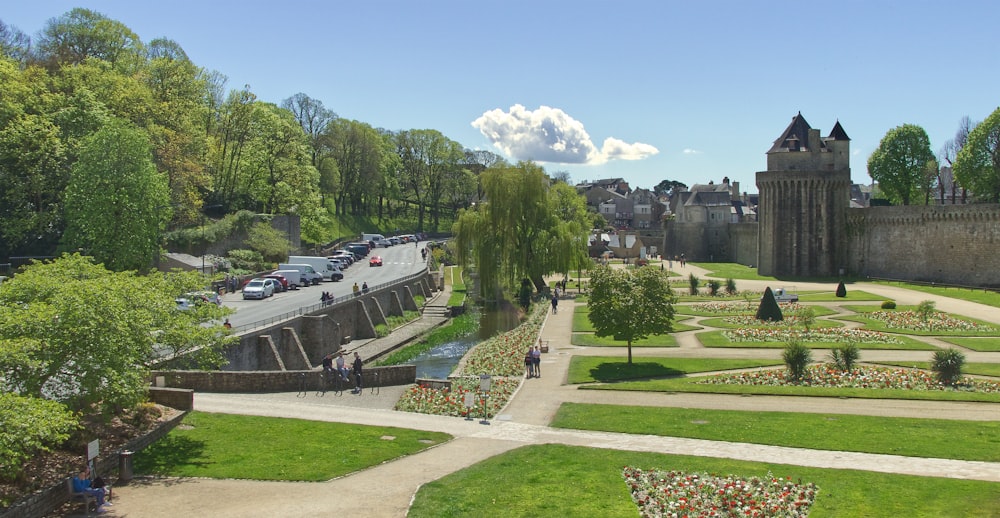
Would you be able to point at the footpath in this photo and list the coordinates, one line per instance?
(386, 490)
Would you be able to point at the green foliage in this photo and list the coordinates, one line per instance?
(796, 357)
(524, 294)
(841, 290)
(977, 165)
(768, 310)
(925, 310)
(900, 164)
(270, 242)
(693, 283)
(947, 364)
(630, 304)
(889, 304)
(80, 334)
(845, 356)
(246, 260)
(30, 426)
(807, 316)
(730, 287)
(713, 287)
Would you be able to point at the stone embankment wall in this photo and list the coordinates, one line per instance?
(278, 381)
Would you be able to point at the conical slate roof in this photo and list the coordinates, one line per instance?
(838, 133)
(795, 136)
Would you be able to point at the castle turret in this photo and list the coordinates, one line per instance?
(804, 197)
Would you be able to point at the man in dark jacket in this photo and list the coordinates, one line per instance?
(357, 372)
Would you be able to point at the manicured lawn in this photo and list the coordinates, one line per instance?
(735, 307)
(732, 271)
(592, 340)
(558, 480)
(987, 328)
(588, 369)
(269, 448)
(453, 276)
(991, 344)
(831, 296)
(979, 369)
(717, 339)
(911, 437)
(581, 321)
(692, 385)
(990, 298)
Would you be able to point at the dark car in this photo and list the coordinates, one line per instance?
(282, 281)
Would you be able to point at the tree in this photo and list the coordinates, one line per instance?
(14, 43)
(899, 165)
(112, 197)
(949, 152)
(82, 33)
(977, 165)
(768, 310)
(668, 187)
(78, 333)
(630, 304)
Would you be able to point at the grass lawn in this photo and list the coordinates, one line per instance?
(692, 385)
(978, 369)
(717, 339)
(592, 340)
(453, 276)
(990, 298)
(872, 324)
(911, 437)
(693, 309)
(732, 271)
(991, 344)
(831, 296)
(558, 480)
(588, 369)
(270, 448)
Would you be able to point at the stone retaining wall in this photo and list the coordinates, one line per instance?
(278, 381)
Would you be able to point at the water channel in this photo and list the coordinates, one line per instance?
(437, 363)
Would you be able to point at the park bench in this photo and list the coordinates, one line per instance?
(86, 498)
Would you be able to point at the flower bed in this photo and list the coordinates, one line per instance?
(503, 355)
(826, 334)
(861, 377)
(452, 402)
(677, 494)
(937, 322)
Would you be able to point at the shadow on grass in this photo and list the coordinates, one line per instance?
(618, 371)
(168, 454)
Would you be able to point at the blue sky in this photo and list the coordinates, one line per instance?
(644, 90)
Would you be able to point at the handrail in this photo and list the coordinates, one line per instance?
(313, 308)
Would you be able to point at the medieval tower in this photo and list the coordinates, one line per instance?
(804, 197)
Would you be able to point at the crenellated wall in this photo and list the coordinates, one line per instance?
(953, 244)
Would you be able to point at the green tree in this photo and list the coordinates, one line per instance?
(81, 33)
(900, 163)
(630, 304)
(112, 197)
(977, 165)
(77, 333)
(668, 187)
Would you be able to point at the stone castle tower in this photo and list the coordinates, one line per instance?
(804, 197)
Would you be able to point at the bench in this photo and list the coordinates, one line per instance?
(543, 345)
(86, 498)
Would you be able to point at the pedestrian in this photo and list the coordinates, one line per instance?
(357, 372)
(341, 368)
(356, 289)
(227, 325)
(528, 362)
(536, 361)
(328, 364)
(555, 304)
(556, 291)
(364, 287)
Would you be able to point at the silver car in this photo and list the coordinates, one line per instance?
(258, 289)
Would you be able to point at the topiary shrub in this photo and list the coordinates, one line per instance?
(947, 364)
(889, 304)
(768, 310)
(693, 283)
(713, 287)
(841, 290)
(730, 287)
(845, 356)
(797, 358)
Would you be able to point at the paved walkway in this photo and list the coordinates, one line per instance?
(386, 490)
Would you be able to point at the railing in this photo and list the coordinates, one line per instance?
(313, 308)
(932, 284)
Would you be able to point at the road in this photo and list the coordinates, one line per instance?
(398, 261)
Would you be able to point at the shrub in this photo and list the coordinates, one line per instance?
(947, 364)
(889, 304)
(808, 317)
(841, 290)
(845, 356)
(693, 283)
(925, 310)
(768, 310)
(797, 358)
(730, 287)
(713, 287)
(246, 260)
(30, 426)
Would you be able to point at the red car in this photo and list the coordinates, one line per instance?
(282, 281)
(375, 261)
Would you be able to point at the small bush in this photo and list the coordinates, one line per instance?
(713, 287)
(845, 356)
(947, 364)
(730, 287)
(889, 304)
(797, 358)
(841, 290)
(693, 283)
(925, 310)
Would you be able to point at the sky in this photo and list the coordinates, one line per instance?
(646, 90)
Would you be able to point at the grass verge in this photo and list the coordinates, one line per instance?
(717, 339)
(592, 340)
(588, 369)
(271, 448)
(990, 298)
(991, 344)
(911, 437)
(558, 480)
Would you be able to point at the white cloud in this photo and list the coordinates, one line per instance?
(689, 151)
(550, 135)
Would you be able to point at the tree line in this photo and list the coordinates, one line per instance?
(107, 142)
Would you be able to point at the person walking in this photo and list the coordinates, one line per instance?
(555, 304)
(527, 363)
(536, 361)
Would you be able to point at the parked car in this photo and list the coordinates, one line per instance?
(258, 289)
(781, 295)
(376, 260)
(282, 281)
(196, 298)
(395, 240)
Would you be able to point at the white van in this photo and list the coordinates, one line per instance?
(325, 267)
(378, 239)
(310, 273)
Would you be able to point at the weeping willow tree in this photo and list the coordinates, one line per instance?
(525, 229)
